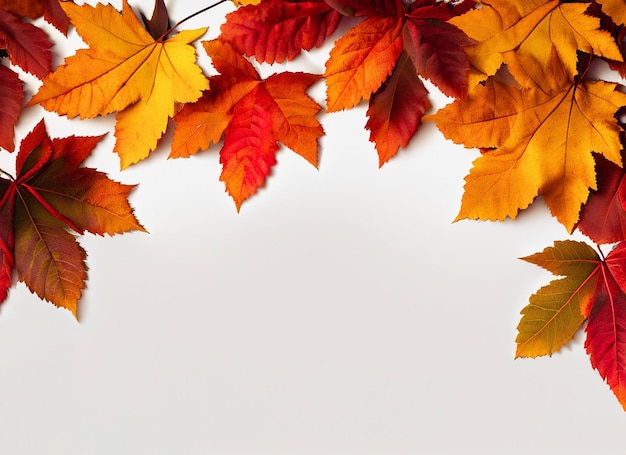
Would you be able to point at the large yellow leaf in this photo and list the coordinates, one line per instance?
(505, 30)
(124, 70)
(543, 138)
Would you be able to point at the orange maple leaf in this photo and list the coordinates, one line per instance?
(124, 70)
(542, 137)
(507, 31)
(51, 196)
(616, 9)
(252, 115)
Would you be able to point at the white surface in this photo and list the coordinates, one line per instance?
(341, 312)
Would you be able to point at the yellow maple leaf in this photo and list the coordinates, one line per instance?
(542, 137)
(506, 30)
(616, 9)
(124, 70)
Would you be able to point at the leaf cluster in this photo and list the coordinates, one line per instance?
(525, 90)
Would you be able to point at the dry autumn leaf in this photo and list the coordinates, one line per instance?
(542, 138)
(50, 196)
(507, 31)
(124, 70)
(253, 115)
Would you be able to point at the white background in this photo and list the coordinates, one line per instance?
(341, 312)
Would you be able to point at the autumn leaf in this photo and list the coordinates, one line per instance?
(246, 2)
(278, 30)
(616, 9)
(506, 32)
(11, 97)
(252, 115)
(606, 328)
(124, 70)
(50, 9)
(542, 138)
(592, 290)
(362, 59)
(27, 45)
(51, 196)
(555, 312)
(603, 217)
(396, 110)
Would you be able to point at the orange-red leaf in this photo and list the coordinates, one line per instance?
(253, 115)
(51, 196)
(362, 60)
(396, 110)
(278, 30)
(50, 9)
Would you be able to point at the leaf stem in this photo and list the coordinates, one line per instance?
(601, 253)
(3, 172)
(190, 17)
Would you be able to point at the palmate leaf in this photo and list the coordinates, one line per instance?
(125, 70)
(542, 137)
(51, 199)
(253, 116)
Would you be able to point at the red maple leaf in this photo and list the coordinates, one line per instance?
(51, 199)
(252, 115)
(278, 30)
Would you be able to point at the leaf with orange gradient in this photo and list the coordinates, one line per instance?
(555, 312)
(278, 30)
(51, 196)
(541, 140)
(506, 31)
(396, 110)
(253, 116)
(362, 60)
(124, 70)
(246, 2)
(592, 289)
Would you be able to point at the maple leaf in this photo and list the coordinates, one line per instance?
(543, 138)
(252, 115)
(592, 290)
(555, 312)
(506, 32)
(382, 58)
(278, 30)
(124, 70)
(246, 2)
(27, 45)
(11, 97)
(50, 9)
(603, 217)
(51, 196)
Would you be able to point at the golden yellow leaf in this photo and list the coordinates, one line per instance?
(616, 9)
(542, 139)
(124, 70)
(505, 30)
